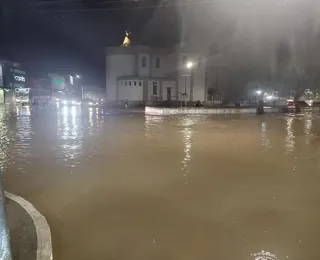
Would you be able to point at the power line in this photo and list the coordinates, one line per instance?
(164, 5)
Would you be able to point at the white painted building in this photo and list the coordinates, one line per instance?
(144, 75)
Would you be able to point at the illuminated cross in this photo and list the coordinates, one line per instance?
(126, 41)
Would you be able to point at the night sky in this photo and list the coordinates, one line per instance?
(69, 36)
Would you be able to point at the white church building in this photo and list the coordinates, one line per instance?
(144, 75)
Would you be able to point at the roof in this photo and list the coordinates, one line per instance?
(14, 64)
(144, 78)
(135, 49)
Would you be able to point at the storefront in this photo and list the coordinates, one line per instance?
(12, 83)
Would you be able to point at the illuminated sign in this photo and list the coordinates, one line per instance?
(20, 78)
(71, 79)
(22, 90)
(58, 81)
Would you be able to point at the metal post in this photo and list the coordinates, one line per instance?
(191, 85)
(82, 92)
(5, 249)
(185, 90)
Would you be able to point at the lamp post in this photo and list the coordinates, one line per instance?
(78, 77)
(260, 108)
(188, 67)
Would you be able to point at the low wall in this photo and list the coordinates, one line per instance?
(205, 111)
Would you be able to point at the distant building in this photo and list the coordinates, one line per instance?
(12, 80)
(145, 75)
(58, 82)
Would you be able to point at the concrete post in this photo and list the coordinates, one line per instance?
(5, 249)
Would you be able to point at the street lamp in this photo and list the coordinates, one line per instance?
(188, 66)
(78, 84)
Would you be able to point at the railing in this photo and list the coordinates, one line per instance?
(5, 250)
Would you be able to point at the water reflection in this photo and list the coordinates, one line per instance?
(264, 255)
(64, 130)
(68, 123)
(265, 142)
(187, 133)
(69, 136)
(307, 130)
(290, 138)
(152, 126)
(90, 117)
(95, 119)
(23, 138)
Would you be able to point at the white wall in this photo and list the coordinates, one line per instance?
(143, 71)
(168, 84)
(171, 63)
(157, 72)
(117, 65)
(132, 93)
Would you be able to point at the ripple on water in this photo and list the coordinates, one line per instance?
(264, 255)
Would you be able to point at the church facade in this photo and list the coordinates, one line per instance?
(144, 75)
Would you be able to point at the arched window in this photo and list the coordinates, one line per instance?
(144, 61)
(158, 63)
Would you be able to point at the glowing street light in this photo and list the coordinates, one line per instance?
(78, 76)
(259, 92)
(189, 64)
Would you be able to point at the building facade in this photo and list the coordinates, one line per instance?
(145, 75)
(12, 81)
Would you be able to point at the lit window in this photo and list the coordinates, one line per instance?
(158, 63)
(155, 88)
(144, 61)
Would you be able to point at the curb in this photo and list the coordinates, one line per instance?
(44, 245)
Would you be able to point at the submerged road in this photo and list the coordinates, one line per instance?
(136, 187)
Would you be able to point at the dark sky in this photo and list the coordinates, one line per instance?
(67, 35)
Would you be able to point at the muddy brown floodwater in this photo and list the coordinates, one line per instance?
(136, 187)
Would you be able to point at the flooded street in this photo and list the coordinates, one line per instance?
(136, 187)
